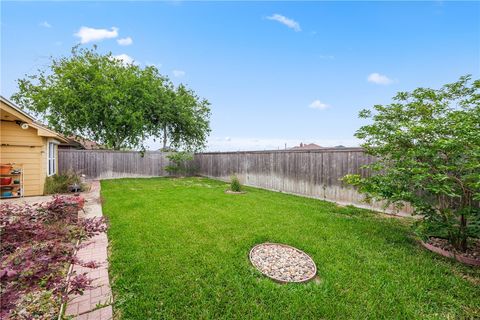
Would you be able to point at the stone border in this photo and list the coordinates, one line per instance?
(451, 255)
(286, 246)
(94, 303)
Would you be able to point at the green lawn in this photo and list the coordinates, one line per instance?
(179, 250)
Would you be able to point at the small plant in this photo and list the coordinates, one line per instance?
(60, 183)
(180, 163)
(235, 184)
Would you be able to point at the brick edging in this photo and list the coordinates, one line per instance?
(94, 303)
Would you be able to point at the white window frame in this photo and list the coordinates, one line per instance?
(52, 147)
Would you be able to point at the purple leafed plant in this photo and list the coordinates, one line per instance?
(38, 245)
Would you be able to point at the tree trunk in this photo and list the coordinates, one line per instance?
(463, 233)
(164, 138)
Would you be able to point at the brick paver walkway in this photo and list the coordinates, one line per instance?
(95, 303)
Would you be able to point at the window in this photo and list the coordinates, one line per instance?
(51, 158)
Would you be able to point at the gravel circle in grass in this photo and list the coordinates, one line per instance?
(283, 263)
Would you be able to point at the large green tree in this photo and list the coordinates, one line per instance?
(189, 114)
(183, 121)
(117, 104)
(427, 146)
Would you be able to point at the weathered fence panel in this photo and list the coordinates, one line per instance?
(313, 173)
(105, 164)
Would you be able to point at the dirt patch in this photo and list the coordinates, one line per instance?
(234, 192)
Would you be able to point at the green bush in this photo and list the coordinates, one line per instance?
(180, 164)
(59, 183)
(427, 149)
(235, 184)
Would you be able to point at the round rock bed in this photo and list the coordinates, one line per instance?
(283, 263)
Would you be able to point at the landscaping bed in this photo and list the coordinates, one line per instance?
(37, 247)
(180, 250)
(443, 247)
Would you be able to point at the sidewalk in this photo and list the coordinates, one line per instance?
(95, 303)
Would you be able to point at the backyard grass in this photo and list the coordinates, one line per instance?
(179, 250)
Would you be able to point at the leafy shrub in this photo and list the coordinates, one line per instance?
(59, 183)
(38, 243)
(235, 184)
(427, 146)
(180, 163)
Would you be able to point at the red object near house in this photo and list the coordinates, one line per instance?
(5, 181)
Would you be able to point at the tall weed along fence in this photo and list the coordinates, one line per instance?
(313, 173)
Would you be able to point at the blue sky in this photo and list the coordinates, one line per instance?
(275, 72)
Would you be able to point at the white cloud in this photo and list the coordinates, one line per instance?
(124, 58)
(317, 104)
(292, 24)
(379, 78)
(87, 34)
(178, 73)
(45, 24)
(125, 41)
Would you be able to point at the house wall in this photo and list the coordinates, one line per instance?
(25, 147)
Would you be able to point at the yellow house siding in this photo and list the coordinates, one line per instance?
(27, 148)
(31, 159)
(13, 135)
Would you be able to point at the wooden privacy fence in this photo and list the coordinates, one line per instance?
(313, 173)
(105, 164)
